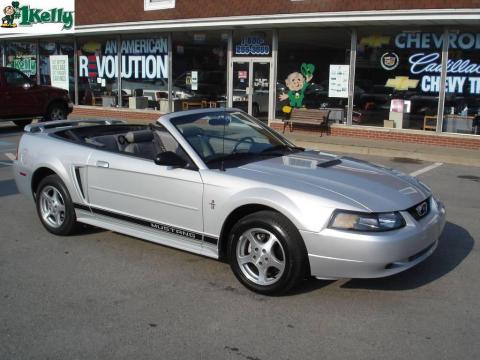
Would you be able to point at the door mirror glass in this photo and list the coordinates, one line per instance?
(169, 158)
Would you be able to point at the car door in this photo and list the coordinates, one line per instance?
(24, 98)
(137, 192)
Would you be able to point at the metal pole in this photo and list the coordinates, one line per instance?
(230, 70)
(171, 107)
(37, 60)
(273, 78)
(351, 81)
(75, 69)
(443, 81)
(119, 72)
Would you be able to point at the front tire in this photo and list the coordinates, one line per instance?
(266, 253)
(56, 111)
(55, 207)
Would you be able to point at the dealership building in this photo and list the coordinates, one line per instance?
(398, 70)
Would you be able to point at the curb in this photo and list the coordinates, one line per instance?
(363, 150)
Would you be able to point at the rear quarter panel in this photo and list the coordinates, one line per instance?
(43, 151)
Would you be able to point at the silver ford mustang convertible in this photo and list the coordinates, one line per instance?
(221, 184)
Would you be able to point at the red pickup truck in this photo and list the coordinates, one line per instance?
(22, 100)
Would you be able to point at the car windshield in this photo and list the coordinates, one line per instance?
(229, 138)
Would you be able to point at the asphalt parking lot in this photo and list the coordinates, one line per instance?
(102, 295)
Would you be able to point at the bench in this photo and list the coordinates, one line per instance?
(309, 117)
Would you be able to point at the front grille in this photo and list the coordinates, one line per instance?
(420, 210)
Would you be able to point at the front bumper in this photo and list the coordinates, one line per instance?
(335, 254)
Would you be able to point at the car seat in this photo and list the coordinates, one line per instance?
(140, 143)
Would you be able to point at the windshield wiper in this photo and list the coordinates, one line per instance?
(231, 156)
(278, 148)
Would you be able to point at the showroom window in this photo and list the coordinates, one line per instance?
(396, 75)
(308, 60)
(462, 94)
(98, 72)
(22, 56)
(144, 63)
(56, 66)
(199, 76)
(158, 4)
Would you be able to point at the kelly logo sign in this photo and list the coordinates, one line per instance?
(34, 17)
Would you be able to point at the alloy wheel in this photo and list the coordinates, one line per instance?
(260, 256)
(52, 207)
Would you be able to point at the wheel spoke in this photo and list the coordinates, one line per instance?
(262, 275)
(55, 197)
(275, 263)
(61, 208)
(242, 260)
(46, 215)
(47, 197)
(253, 241)
(58, 220)
(270, 243)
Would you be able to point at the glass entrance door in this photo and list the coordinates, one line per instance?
(251, 87)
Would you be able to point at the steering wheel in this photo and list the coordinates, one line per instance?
(246, 139)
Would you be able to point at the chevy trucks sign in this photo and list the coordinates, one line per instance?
(37, 17)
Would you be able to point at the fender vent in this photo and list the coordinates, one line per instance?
(78, 178)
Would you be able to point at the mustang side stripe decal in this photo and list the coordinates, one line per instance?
(210, 240)
(153, 225)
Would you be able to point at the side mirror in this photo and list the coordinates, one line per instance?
(169, 158)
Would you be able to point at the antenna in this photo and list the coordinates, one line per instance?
(222, 166)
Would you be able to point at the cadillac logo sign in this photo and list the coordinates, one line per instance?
(389, 61)
(422, 209)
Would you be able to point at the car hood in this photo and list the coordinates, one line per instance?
(53, 89)
(342, 179)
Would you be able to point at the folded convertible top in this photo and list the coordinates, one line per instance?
(43, 126)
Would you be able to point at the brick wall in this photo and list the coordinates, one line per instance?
(117, 114)
(430, 138)
(90, 12)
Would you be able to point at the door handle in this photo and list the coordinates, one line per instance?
(102, 164)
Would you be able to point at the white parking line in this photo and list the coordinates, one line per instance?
(10, 156)
(426, 169)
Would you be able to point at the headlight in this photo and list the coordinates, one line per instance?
(356, 221)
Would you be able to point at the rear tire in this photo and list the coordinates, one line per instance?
(55, 207)
(266, 253)
(56, 111)
(22, 123)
